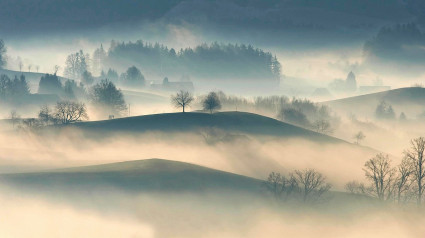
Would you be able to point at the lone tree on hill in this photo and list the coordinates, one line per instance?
(211, 102)
(182, 99)
(359, 137)
(14, 117)
(67, 112)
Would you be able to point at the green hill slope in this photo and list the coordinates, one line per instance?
(135, 176)
(238, 122)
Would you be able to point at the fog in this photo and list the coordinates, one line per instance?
(254, 157)
(211, 118)
(191, 215)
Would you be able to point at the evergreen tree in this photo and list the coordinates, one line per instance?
(99, 56)
(50, 84)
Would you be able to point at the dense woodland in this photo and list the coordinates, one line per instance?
(400, 42)
(216, 60)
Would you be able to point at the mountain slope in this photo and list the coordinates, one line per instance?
(135, 176)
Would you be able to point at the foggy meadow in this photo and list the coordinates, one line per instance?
(209, 118)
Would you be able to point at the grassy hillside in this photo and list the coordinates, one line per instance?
(144, 97)
(408, 100)
(135, 176)
(239, 122)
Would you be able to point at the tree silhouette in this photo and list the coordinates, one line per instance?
(105, 95)
(67, 112)
(133, 77)
(415, 156)
(182, 99)
(312, 184)
(381, 175)
(359, 137)
(211, 102)
(50, 84)
(76, 65)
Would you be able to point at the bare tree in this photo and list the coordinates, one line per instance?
(275, 184)
(280, 186)
(182, 99)
(211, 102)
(403, 181)
(31, 123)
(56, 68)
(45, 116)
(68, 112)
(76, 64)
(379, 172)
(29, 68)
(322, 126)
(20, 64)
(359, 137)
(312, 184)
(355, 187)
(37, 68)
(14, 117)
(415, 156)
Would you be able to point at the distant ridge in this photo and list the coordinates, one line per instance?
(409, 99)
(414, 95)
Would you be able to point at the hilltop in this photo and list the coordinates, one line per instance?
(237, 122)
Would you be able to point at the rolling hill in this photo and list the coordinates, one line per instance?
(236, 122)
(135, 176)
(408, 100)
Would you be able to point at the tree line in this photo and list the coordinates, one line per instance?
(403, 184)
(13, 89)
(390, 42)
(206, 61)
(104, 96)
(307, 186)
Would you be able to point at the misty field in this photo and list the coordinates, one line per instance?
(210, 118)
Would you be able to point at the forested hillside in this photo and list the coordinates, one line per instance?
(204, 61)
